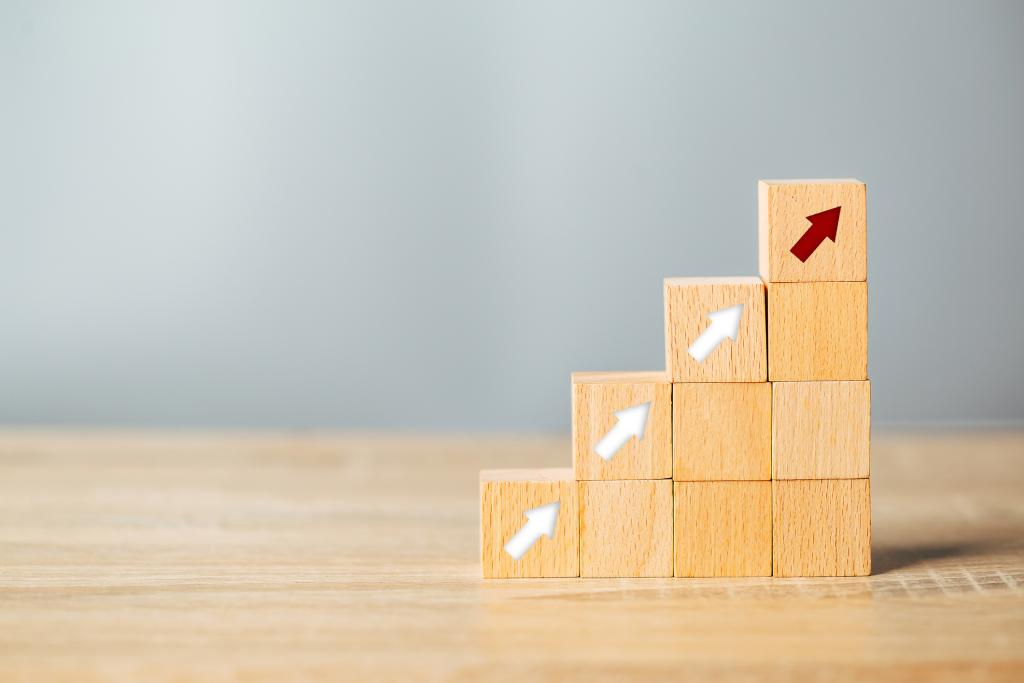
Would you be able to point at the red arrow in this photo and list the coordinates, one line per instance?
(824, 224)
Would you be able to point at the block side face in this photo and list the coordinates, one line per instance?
(821, 430)
(867, 435)
(687, 317)
(668, 316)
(626, 528)
(713, 281)
(787, 210)
(594, 418)
(818, 331)
(822, 527)
(503, 506)
(721, 431)
(580, 416)
(723, 528)
(763, 233)
(860, 557)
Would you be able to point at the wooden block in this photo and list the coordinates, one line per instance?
(721, 431)
(596, 398)
(505, 497)
(817, 331)
(821, 430)
(626, 528)
(688, 303)
(723, 528)
(835, 246)
(821, 527)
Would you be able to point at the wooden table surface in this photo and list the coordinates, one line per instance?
(148, 557)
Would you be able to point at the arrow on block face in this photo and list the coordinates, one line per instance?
(632, 422)
(824, 224)
(539, 522)
(724, 323)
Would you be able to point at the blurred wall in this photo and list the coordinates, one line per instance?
(426, 214)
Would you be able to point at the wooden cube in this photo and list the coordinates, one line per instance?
(721, 431)
(507, 497)
(626, 528)
(723, 528)
(821, 430)
(812, 230)
(715, 329)
(614, 436)
(821, 527)
(818, 331)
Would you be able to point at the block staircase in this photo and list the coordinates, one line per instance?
(750, 454)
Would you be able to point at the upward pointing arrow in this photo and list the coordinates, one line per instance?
(824, 224)
(540, 521)
(631, 422)
(724, 323)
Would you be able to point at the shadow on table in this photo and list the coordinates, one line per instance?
(885, 559)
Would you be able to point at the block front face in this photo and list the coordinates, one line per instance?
(596, 399)
(822, 527)
(721, 431)
(702, 315)
(723, 528)
(803, 238)
(505, 498)
(817, 331)
(821, 430)
(625, 528)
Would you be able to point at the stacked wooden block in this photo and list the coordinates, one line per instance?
(749, 455)
(818, 367)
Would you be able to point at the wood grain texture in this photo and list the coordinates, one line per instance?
(817, 331)
(688, 301)
(505, 496)
(821, 527)
(721, 431)
(596, 397)
(626, 528)
(821, 430)
(723, 528)
(783, 208)
(320, 557)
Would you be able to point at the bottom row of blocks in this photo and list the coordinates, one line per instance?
(647, 528)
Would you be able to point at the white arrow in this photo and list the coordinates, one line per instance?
(632, 422)
(724, 323)
(539, 522)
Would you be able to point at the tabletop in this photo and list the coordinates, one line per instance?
(307, 556)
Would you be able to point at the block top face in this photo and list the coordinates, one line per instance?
(540, 474)
(715, 329)
(635, 377)
(813, 181)
(812, 230)
(713, 280)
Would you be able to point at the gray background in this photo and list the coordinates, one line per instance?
(426, 214)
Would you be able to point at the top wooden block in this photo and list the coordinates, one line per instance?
(799, 238)
(702, 341)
